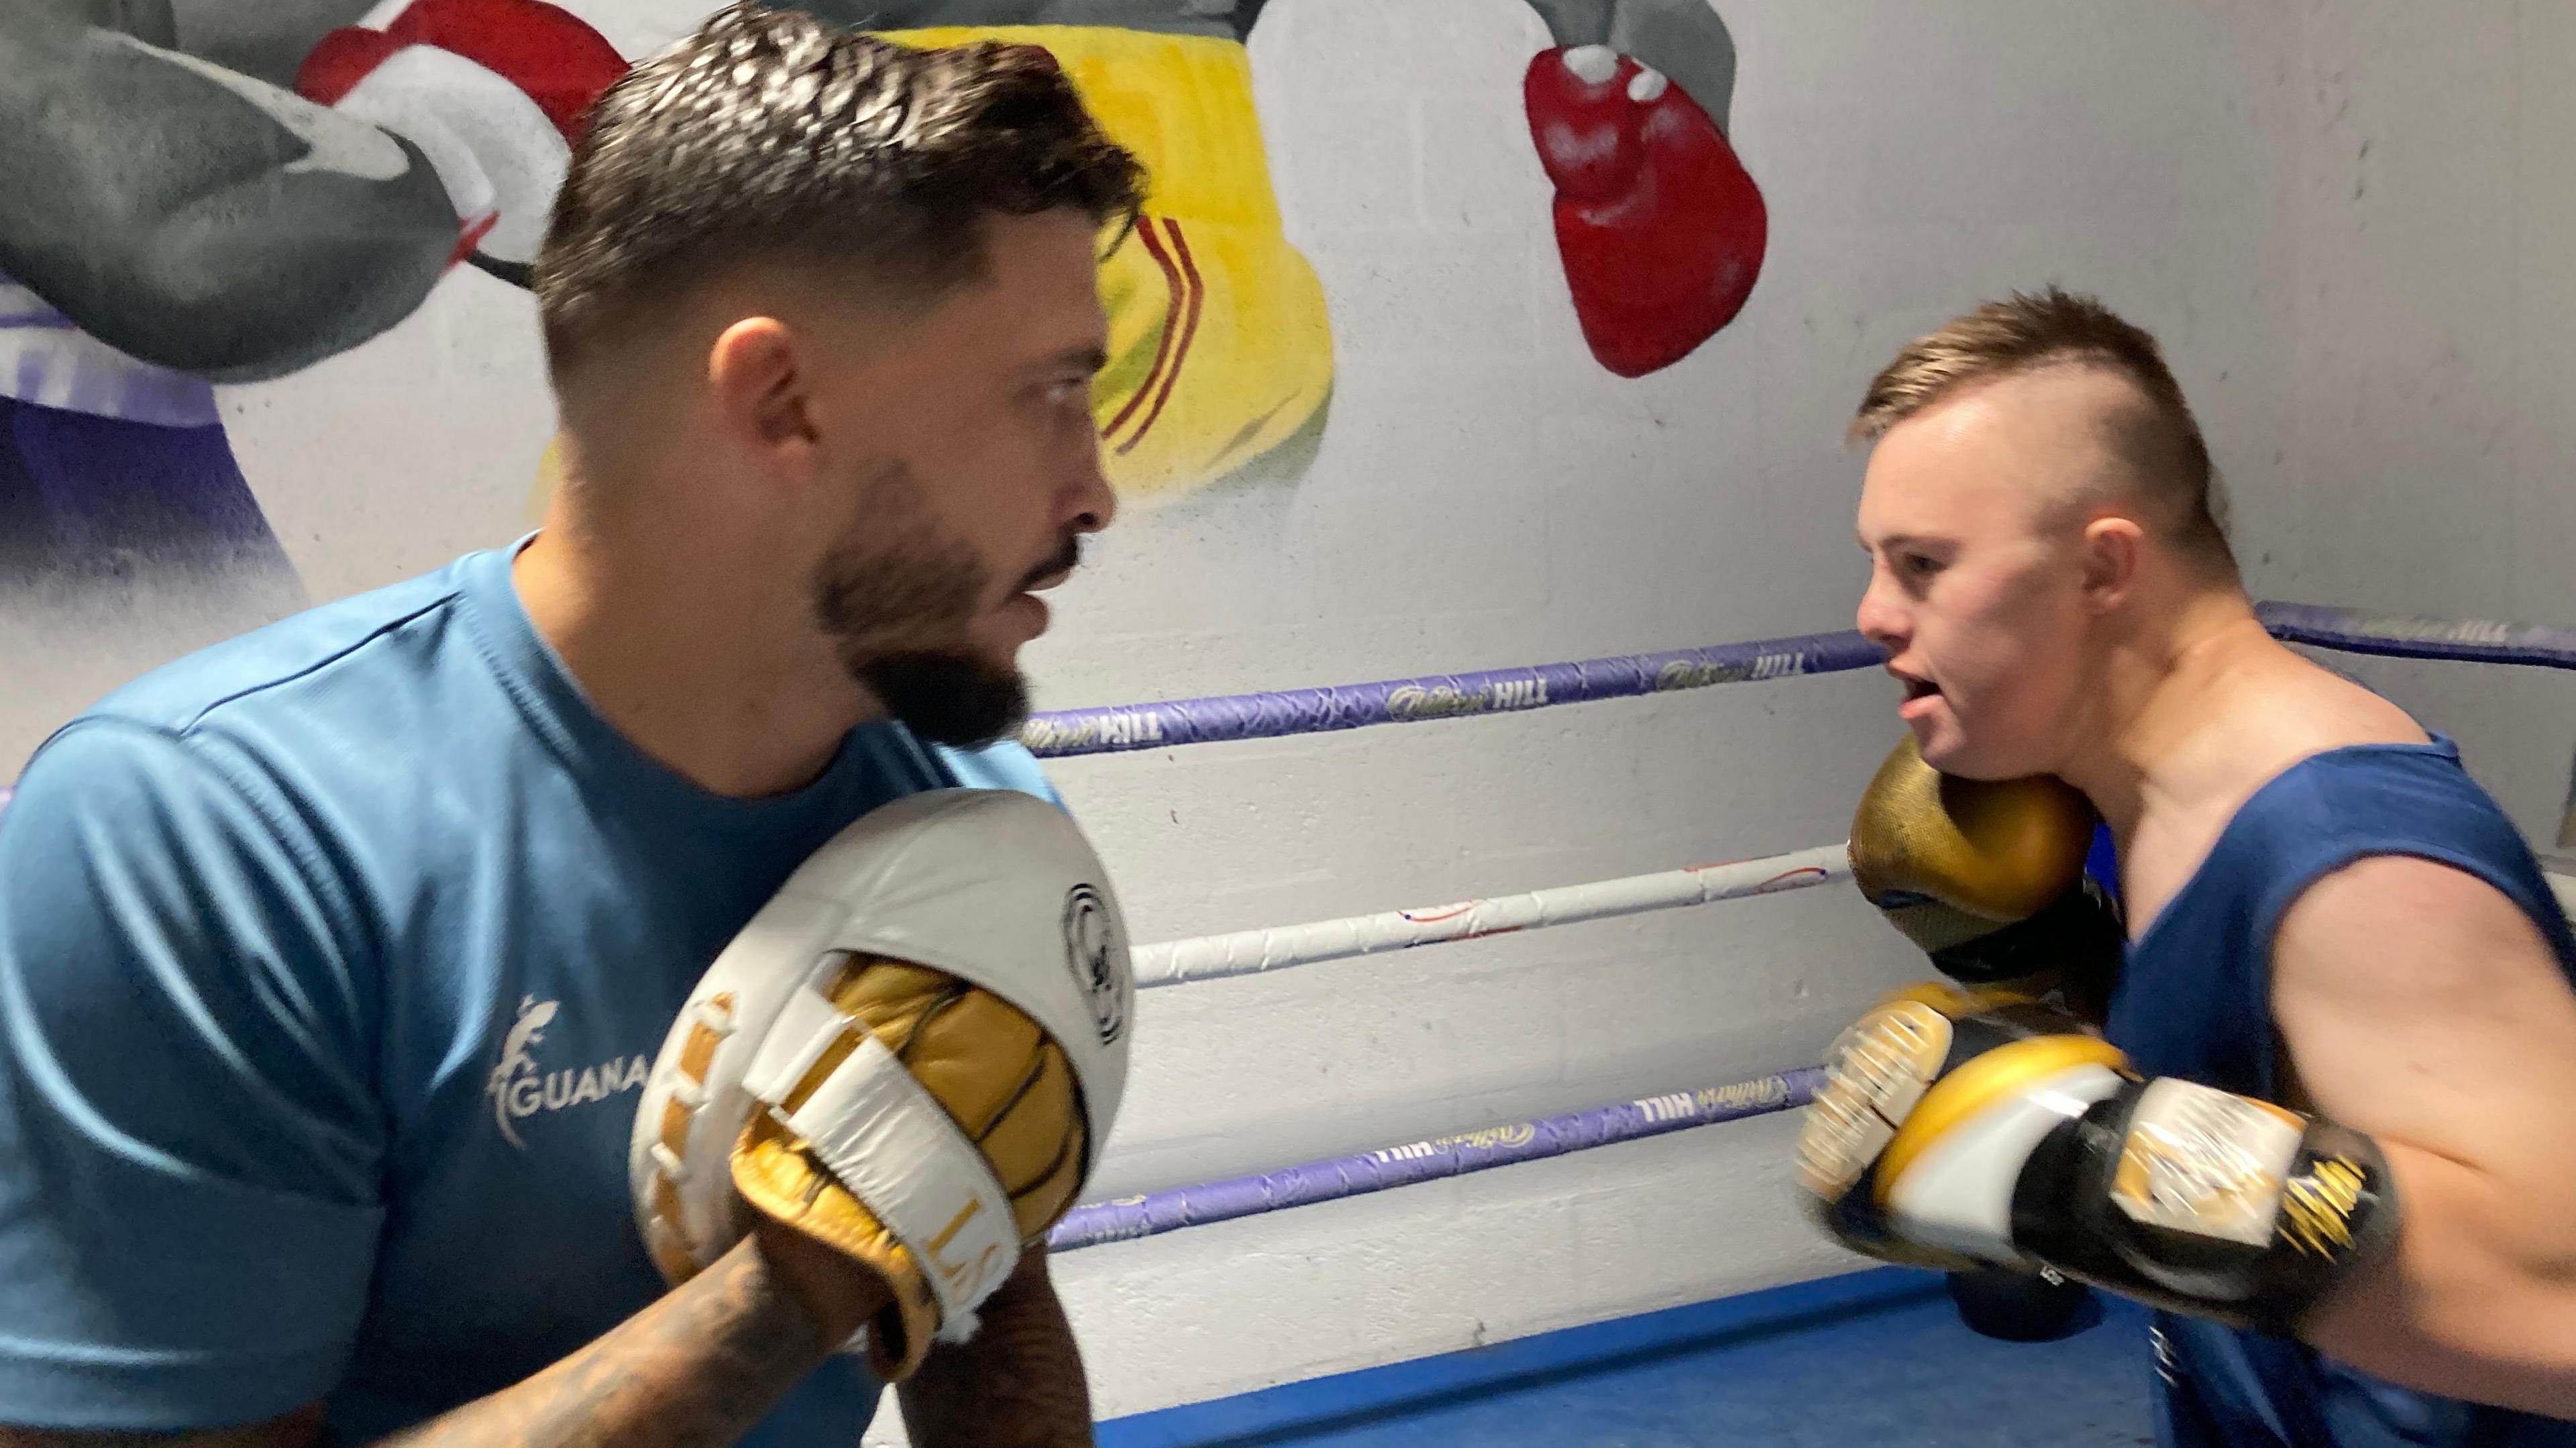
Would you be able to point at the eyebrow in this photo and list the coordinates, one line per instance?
(1089, 357)
(1901, 540)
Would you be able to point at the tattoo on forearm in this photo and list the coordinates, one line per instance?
(1017, 1384)
(698, 1369)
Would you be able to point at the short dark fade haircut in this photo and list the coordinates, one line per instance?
(2159, 440)
(771, 137)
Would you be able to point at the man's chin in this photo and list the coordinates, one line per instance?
(951, 699)
(1944, 747)
(1950, 752)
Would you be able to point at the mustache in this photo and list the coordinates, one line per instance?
(1065, 560)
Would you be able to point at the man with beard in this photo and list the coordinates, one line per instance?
(332, 959)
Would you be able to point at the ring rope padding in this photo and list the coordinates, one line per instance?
(1251, 952)
(1335, 1178)
(1118, 728)
(1271, 715)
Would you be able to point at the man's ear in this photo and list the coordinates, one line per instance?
(759, 377)
(2113, 548)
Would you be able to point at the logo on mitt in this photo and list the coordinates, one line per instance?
(1089, 939)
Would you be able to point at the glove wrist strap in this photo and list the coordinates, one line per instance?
(887, 1140)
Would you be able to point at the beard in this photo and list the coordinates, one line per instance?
(946, 698)
(899, 598)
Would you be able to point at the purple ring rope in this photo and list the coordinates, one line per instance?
(1118, 727)
(1446, 1156)
(1113, 728)
(2351, 631)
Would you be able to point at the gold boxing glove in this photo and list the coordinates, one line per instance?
(1988, 877)
(909, 1055)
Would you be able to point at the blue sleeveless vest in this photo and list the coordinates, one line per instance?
(2195, 1001)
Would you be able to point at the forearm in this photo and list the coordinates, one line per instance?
(2479, 1300)
(698, 1368)
(1016, 1384)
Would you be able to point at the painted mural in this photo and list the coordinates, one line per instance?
(198, 193)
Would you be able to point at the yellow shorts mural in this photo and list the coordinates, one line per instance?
(1221, 357)
(1220, 353)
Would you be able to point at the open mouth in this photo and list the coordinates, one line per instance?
(1055, 570)
(1916, 688)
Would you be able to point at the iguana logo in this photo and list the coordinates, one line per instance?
(516, 1061)
(520, 1088)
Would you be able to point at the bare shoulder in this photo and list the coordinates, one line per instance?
(2394, 946)
(2400, 928)
(2328, 711)
(2420, 1004)
(2276, 710)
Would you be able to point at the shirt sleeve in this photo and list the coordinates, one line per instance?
(189, 1149)
(1007, 765)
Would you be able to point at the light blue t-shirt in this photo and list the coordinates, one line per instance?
(332, 960)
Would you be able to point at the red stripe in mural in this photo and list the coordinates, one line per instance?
(470, 235)
(1176, 305)
(1189, 329)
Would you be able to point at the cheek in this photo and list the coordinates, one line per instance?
(1996, 636)
(1002, 503)
(1969, 631)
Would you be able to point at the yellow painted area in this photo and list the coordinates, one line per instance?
(549, 472)
(1221, 355)
(1220, 351)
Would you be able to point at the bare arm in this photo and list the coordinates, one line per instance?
(2420, 1006)
(697, 1369)
(1016, 1384)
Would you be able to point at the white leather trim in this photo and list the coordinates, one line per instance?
(1957, 1195)
(806, 1027)
(886, 1139)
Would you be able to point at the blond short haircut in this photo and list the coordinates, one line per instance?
(2157, 439)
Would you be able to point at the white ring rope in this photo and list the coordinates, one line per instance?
(1251, 952)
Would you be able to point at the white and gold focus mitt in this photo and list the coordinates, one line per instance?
(911, 1054)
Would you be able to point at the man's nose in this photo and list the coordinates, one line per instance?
(1092, 501)
(1880, 619)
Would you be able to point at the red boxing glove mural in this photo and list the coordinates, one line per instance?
(492, 91)
(1660, 228)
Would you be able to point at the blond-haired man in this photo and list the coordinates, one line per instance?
(2325, 1128)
